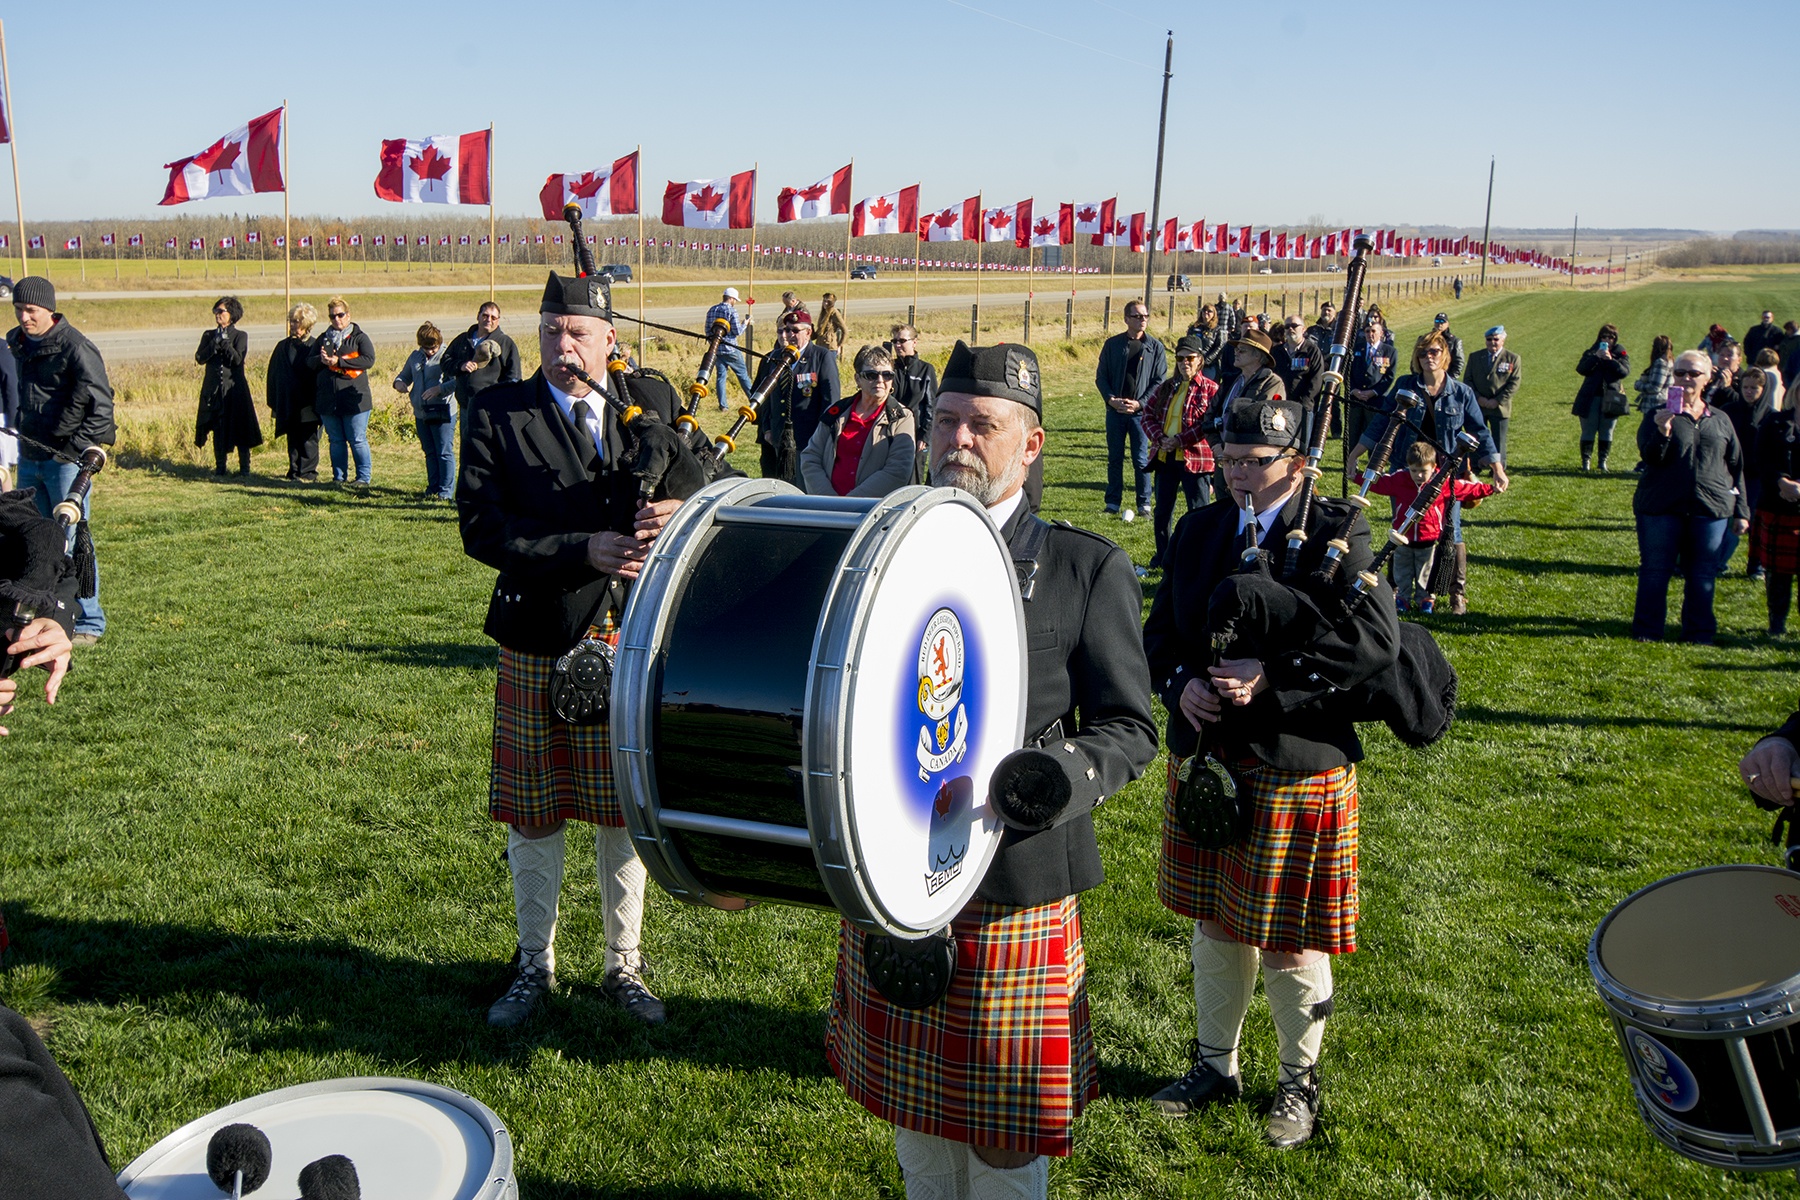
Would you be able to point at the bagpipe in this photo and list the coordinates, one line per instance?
(46, 563)
(1265, 614)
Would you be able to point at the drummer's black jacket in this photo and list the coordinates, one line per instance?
(49, 1149)
(1303, 721)
(529, 499)
(1085, 670)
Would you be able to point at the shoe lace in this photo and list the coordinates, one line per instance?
(629, 986)
(1295, 1098)
(530, 980)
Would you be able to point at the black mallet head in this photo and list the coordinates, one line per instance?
(330, 1178)
(238, 1148)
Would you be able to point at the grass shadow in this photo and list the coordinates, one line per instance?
(1534, 625)
(321, 997)
(1541, 566)
(481, 655)
(1481, 714)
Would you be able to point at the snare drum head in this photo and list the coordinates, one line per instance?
(937, 701)
(1706, 935)
(408, 1142)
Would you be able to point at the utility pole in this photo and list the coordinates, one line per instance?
(1487, 222)
(1162, 129)
(1574, 234)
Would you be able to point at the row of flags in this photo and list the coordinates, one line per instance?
(455, 169)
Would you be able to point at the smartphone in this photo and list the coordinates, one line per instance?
(1677, 394)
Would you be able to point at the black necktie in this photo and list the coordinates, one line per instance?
(589, 452)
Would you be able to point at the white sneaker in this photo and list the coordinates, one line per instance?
(1128, 515)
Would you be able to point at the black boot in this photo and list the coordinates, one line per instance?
(219, 459)
(1605, 452)
(1779, 589)
(243, 460)
(1587, 454)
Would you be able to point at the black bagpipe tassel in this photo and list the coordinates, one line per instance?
(87, 573)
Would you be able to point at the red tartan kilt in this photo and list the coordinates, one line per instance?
(1005, 1059)
(543, 769)
(1290, 884)
(1775, 541)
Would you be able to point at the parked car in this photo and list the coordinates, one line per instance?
(621, 272)
(1333, 269)
(1179, 283)
(1266, 271)
(863, 271)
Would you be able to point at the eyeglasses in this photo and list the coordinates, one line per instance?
(1137, 316)
(1433, 352)
(339, 313)
(904, 341)
(219, 312)
(1687, 374)
(875, 376)
(1253, 460)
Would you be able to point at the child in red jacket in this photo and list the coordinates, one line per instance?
(1412, 562)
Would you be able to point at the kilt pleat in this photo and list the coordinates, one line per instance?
(1290, 884)
(543, 769)
(1005, 1059)
(1775, 541)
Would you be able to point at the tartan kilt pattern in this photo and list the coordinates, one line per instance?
(1775, 541)
(1290, 884)
(1005, 1059)
(543, 769)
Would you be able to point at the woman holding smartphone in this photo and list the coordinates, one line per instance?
(1602, 367)
(1691, 490)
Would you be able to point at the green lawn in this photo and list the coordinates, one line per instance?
(250, 848)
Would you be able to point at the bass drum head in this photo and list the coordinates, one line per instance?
(930, 698)
(409, 1141)
(1705, 936)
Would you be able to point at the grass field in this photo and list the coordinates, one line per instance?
(249, 848)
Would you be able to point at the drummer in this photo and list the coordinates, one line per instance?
(987, 1080)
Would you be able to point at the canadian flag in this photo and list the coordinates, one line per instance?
(331, 239)
(1136, 236)
(198, 243)
(1008, 223)
(1281, 245)
(227, 243)
(168, 244)
(1167, 242)
(1184, 238)
(958, 223)
(895, 212)
(603, 192)
(246, 160)
(1090, 218)
(107, 239)
(1241, 246)
(700, 204)
(306, 241)
(1116, 231)
(436, 170)
(356, 239)
(1262, 244)
(829, 197)
(137, 239)
(253, 238)
(1045, 232)
(380, 240)
(280, 241)
(73, 243)
(506, 239)
(1221, 238)
(463, 240)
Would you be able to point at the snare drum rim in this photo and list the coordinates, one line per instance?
(643, 640)
(500, 1183)
(1769, 1008)
(830, 686)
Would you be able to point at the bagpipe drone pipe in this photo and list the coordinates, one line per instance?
(46, 563)
(1269, 615)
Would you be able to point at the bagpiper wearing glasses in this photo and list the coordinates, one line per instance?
(1272, 885)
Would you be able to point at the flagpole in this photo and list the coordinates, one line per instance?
(12, 141)
(115, 256)
(849, 226)
(750, 287)
(491, 213)
(81, 255)
(980, 240)
(1162, 128)
(918, 253)
(287, 222)
(639, 152)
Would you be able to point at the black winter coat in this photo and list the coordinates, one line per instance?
(502, 368)
(65, 400)
(1696, 469)
(49, 1148)
(292, 387)
(1777, 455)
(915, 387)
(226, 410)
(343, 390)
(1596, 372)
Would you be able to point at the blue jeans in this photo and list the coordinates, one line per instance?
(52, 480)
(1595, 427)
(439, 440)
(734, 359)
(1119, 426)
(1696, 541)
(348, 434)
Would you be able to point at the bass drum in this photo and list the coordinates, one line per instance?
(1701, 975)
(408, 1140)
(811, 693)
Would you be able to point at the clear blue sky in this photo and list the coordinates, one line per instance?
(1587, 106)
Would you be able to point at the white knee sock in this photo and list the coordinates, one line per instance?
(1029, 1182)
(622, 877)
(933, 1168)
(1224, 981)
(1299, 1001)
(537, 871)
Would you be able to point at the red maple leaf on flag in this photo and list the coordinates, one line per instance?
(1001, 219)
(1044, 225)
(880, 208)
(812, 193)
(947, 218)
(431, 165)
(218, 157)
(705, 200)
(1118, 228)
(587, 186)
(1086, 215)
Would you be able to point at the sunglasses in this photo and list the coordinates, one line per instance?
(1137, 316)
(1687, 374)
(339, 313)
(875, 376)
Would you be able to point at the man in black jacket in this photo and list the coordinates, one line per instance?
(915, 387)
(542, 499)
(1766, 335)
(792, 411)
(481, 356)
(1131, 366)
(987, 1079)
(1458, 360)
(66, 404)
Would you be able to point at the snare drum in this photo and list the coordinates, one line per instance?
(1701, 974)
(409, 1141)
(811, 693)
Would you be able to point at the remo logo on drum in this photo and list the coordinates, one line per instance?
(1664, 1074)
(943, 740)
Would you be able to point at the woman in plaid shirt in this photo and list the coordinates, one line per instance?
(1181, 458)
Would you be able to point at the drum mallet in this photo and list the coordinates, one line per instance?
(330, 1178)
(238, 1159)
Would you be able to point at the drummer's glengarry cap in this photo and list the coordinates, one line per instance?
(1265, 423)
(1006, 371)
(577, 296)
